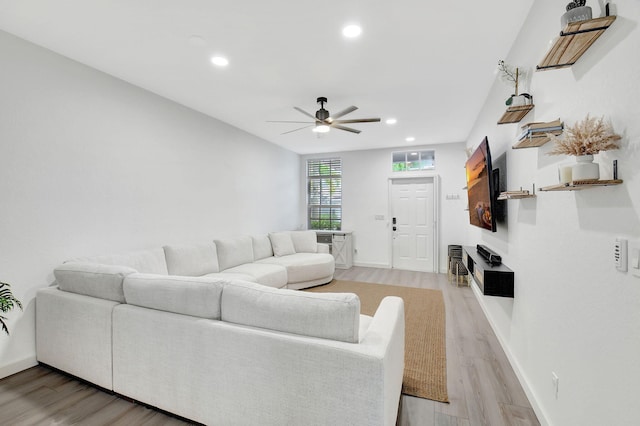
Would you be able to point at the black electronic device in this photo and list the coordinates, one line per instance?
(489, 255)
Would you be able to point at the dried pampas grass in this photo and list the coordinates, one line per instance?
(589, 136)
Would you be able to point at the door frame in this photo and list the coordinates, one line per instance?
(432, 178)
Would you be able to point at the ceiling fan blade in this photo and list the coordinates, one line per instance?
(300, 128)
(305, 113)
(348, 129)
(358, 120)
(343, 112)
(280, 121)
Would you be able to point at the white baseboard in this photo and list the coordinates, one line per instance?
(512, 360)
(372, 265)
(18, 366)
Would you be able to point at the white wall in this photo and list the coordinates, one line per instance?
(92, 165)
(573, 312)
(365, 194)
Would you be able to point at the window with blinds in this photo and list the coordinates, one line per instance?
(324, 194)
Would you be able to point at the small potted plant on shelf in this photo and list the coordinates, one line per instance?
(583, 140)
(513, 75)
(7, 303)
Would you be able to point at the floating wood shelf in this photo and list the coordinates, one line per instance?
(515, 113)
(581, 184)
(574, 40)
(515, 196)
(531, 142)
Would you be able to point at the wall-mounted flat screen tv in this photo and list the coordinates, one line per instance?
(480, 188)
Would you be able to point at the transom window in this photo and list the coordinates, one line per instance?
(324, 194)
(414, 160)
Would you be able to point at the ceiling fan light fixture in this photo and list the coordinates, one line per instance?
(391, 121)
(321, 128)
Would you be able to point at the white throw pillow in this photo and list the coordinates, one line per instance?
(191, 260)
(305, 241)
(261, 247)
(282, 243)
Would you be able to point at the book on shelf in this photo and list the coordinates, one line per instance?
(543, 124)
(540, 133)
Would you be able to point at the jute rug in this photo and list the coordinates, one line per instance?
(425, 362)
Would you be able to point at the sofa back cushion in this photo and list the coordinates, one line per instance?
(194, 296)
(234, 251)
(192, 260)
(305, 241)
(333, 316)
(261, 247)
(282, 243)
(93, 279)
(146, 261)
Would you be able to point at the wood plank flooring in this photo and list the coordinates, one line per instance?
(483, 389)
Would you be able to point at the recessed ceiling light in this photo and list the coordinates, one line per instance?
(391, 121)
(410, 139)
(220, 61)
(351, 31)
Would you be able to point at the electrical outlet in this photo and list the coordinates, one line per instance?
(556, 382)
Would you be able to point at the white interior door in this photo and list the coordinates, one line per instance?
(412, 210)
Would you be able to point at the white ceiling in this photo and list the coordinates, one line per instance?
(429, 64)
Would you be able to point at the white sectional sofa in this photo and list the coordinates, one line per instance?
(188, 332)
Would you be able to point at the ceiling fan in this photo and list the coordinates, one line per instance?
(323, 121)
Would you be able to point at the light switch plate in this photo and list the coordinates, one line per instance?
(620, 254)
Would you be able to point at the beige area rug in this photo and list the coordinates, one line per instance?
(425, 369)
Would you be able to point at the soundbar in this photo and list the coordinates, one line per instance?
(489, 255)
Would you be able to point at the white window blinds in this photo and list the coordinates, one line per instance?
(324, 193)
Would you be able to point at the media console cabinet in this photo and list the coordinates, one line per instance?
(492, 280)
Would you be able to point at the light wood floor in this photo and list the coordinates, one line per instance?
(483, 389)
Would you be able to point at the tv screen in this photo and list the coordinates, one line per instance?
(480, 188)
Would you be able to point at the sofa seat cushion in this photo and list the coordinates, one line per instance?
(268, 274)
(192, 260)
(303, 267)
(146, 261)
(93, 279)
(194, 296)
(334, 316)
(234, 251)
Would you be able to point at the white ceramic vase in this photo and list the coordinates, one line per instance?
(585, 168)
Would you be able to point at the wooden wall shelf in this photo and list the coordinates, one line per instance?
(574, 40)
(581, 184)
(531, 142)
(515, 196)
(515, 113)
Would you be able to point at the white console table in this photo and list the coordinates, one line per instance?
(341, 246)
